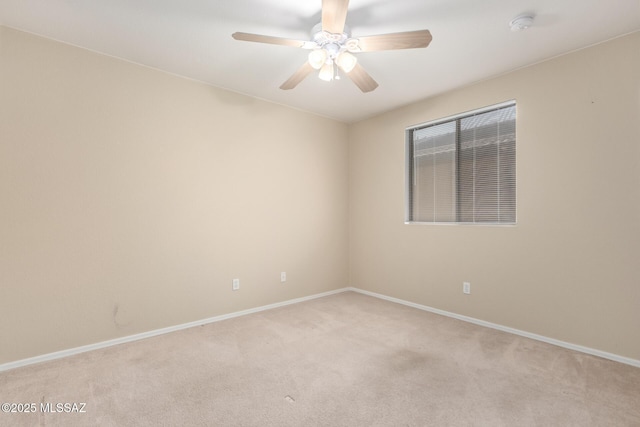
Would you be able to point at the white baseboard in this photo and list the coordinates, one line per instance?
(582, 349)
(136, 337)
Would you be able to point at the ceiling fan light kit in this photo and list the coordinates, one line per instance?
(332, 52)
(333, 48)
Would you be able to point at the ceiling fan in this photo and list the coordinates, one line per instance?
(332, 47)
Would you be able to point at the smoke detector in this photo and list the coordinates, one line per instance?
(521, 22)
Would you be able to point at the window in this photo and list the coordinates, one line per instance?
(462, 169)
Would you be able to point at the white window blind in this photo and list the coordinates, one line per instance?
(463, 169)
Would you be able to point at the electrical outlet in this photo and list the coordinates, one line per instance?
(235, 284)
(466, 287)
(283, 277)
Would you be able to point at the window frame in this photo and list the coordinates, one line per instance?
(410, 173)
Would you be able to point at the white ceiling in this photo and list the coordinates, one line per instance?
(471, 41)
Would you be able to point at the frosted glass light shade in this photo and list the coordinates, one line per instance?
(326, 72)
(346, 61)
(317, 58)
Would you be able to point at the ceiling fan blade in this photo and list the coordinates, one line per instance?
(259, 38)
(393, 41)
(362, 79)
(297, 77)
(334, 15)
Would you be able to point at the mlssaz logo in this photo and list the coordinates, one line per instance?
(63, 407)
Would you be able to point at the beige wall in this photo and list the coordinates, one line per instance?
(570, 269)
(130, 198)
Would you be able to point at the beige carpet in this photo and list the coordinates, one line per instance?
(343, 360)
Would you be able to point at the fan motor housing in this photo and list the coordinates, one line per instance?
(324, 37)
